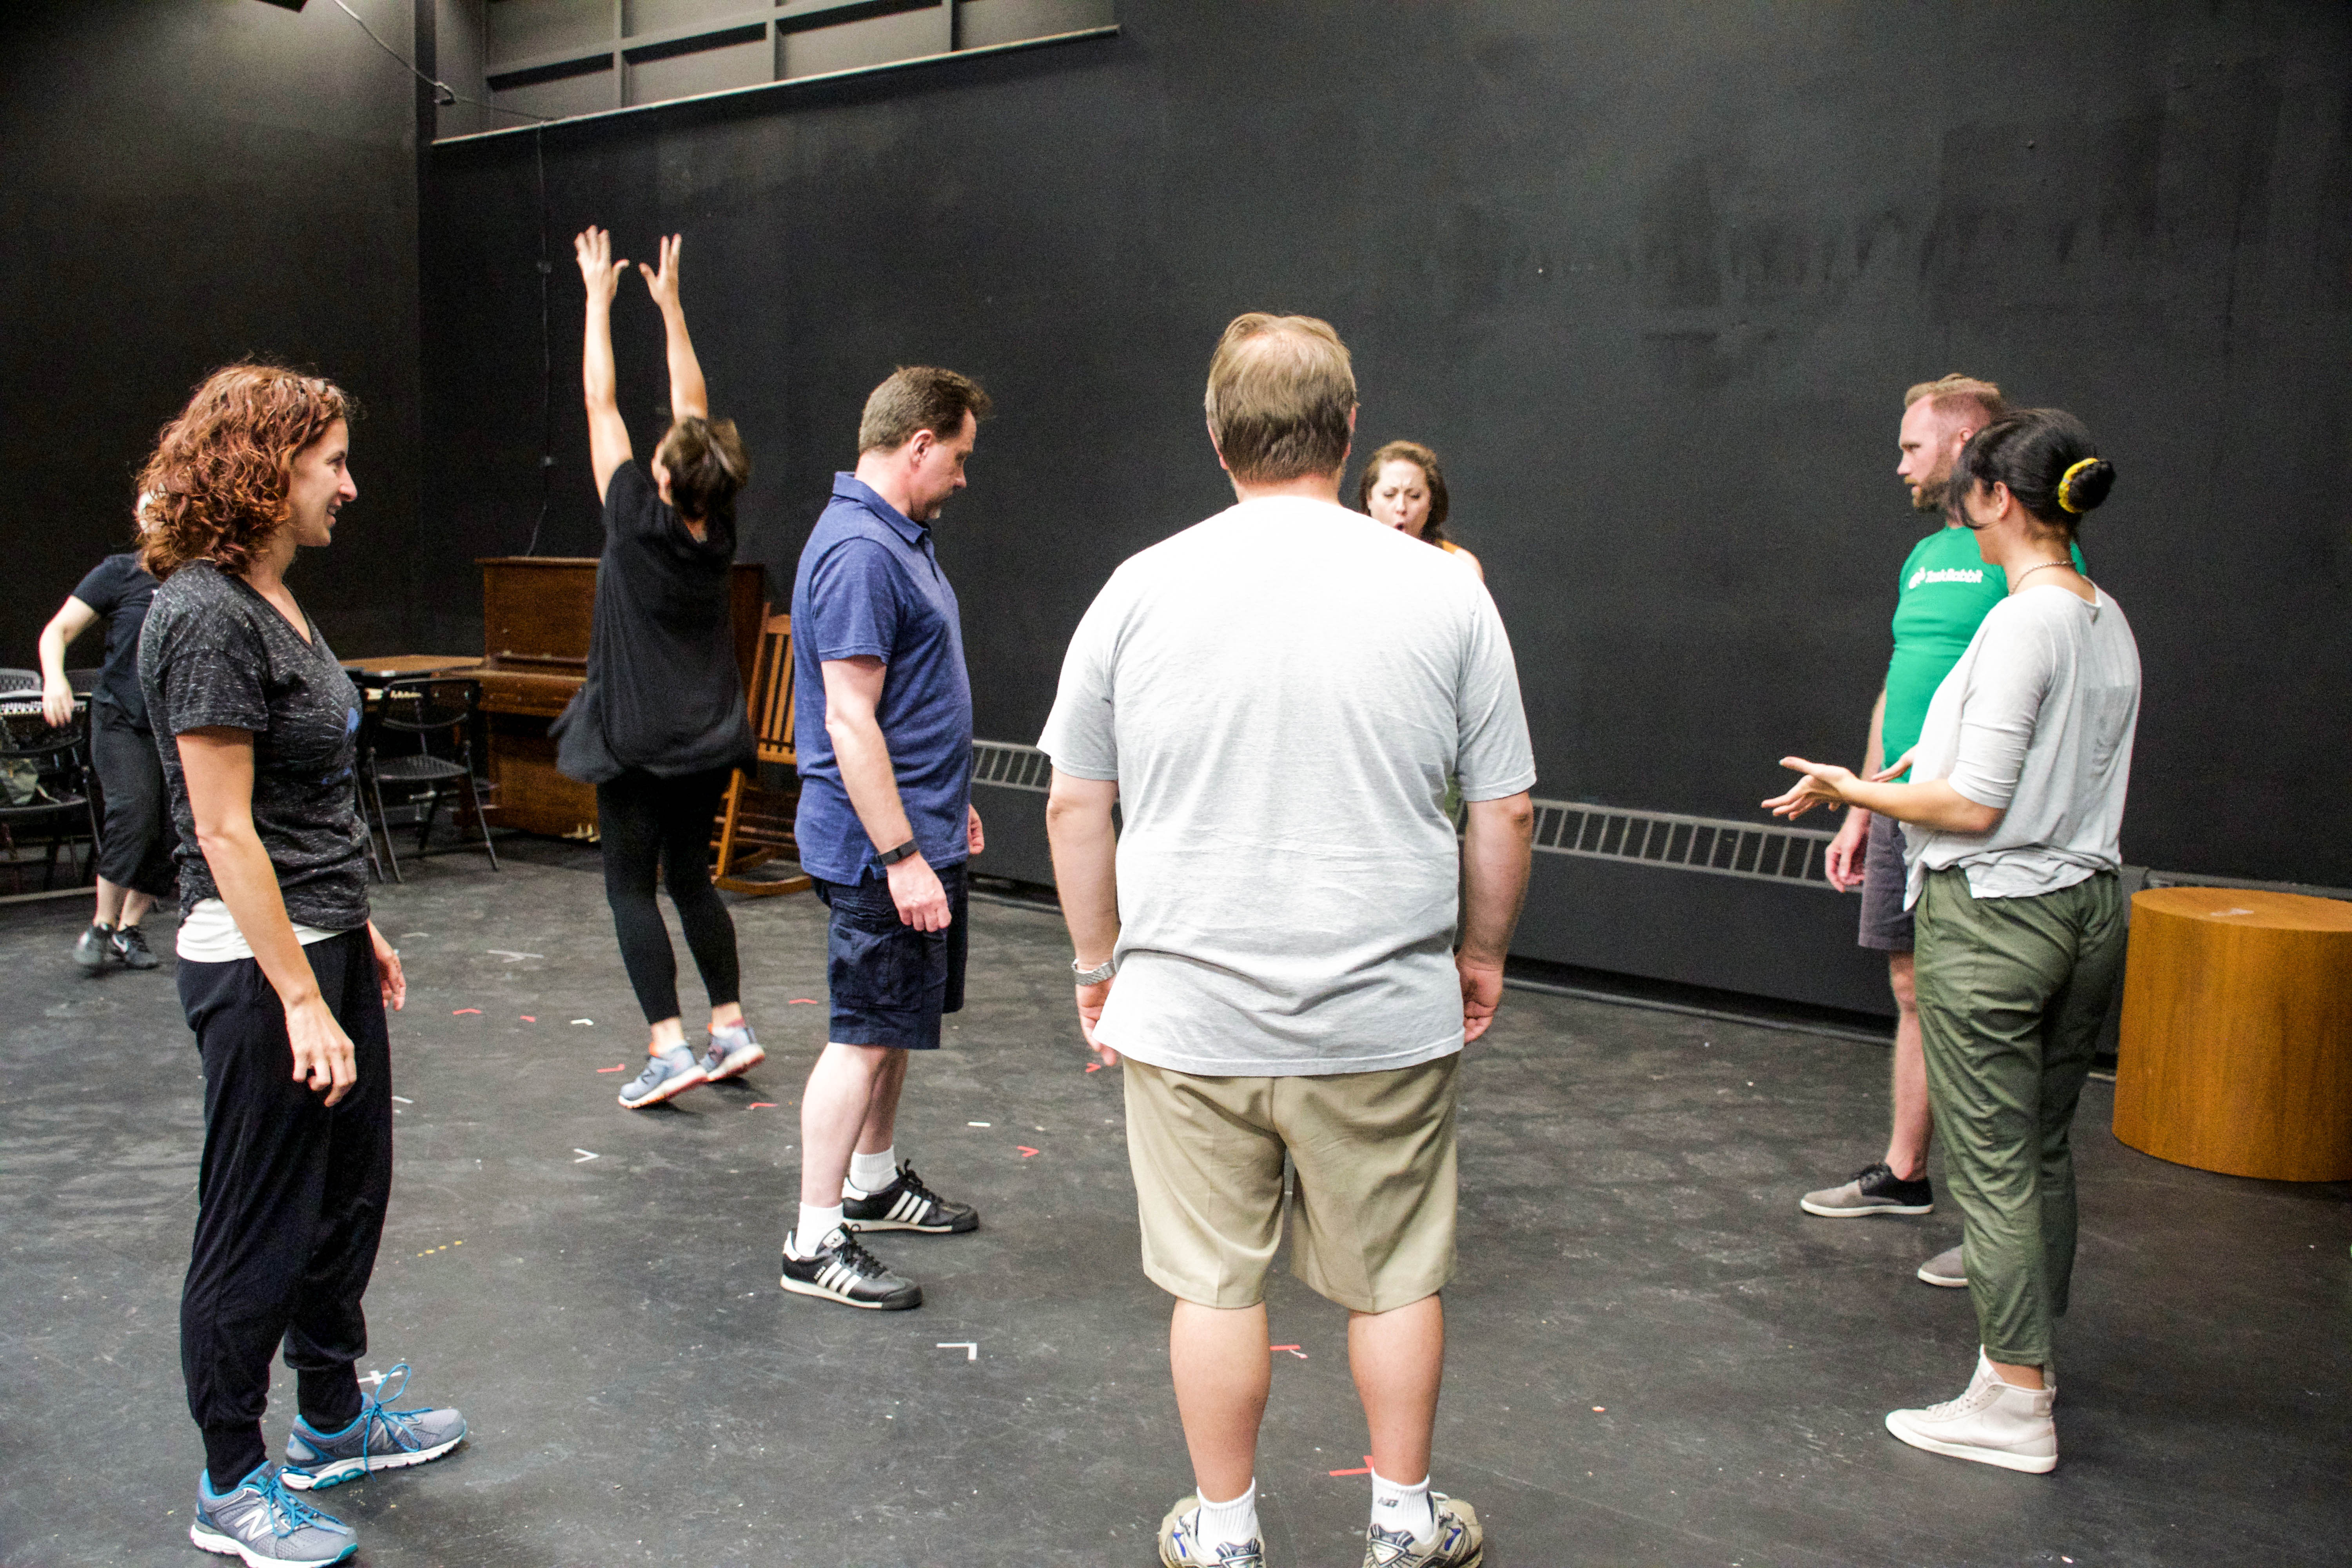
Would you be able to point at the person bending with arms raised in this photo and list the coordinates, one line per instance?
(2012, 822)
(1275, 699)
(659, 725)
(280, 967)
(886, 823)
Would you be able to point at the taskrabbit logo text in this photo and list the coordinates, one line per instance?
(1946, 575)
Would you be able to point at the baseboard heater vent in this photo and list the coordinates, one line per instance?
(1675, 842)
(1009, 766)
(1662, 838)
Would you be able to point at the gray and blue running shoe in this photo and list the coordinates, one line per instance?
(261, 1522)
(731, 1050)
(673, 1072)
(1181, 1546)
(381, 1439)
(1459, 1540)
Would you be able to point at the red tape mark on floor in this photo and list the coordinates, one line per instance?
(1025, 1150)
(1094, 1067)
(461, 1012)
(762, 1105)
(802, 1002)
(1294, 1350)
(1365, 1471)
(527, 1018)
(616, 1066)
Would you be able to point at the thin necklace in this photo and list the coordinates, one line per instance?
(2030, 570)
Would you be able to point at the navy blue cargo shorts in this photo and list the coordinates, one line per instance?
(890, 983)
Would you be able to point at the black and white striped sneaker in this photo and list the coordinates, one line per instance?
(845, 1272)
(908, 1205)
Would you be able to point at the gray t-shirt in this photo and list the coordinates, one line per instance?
(1281, 693)
(215, 654)
(2037, 718)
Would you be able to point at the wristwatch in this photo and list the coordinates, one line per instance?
(1098, 975)
(892, 857)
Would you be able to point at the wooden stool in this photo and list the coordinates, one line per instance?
(2235, 1052)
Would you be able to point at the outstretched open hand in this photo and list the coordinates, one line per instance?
(662, 282)
(594, 246)
(1822, 784)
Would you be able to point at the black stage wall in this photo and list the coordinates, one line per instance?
(1652, 279)
(187, 184)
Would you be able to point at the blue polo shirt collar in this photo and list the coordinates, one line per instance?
(849, 487)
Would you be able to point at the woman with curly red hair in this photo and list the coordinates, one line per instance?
(281, 968)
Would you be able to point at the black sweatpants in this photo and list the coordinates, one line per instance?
(290, 1203)
(650, 825)
(134, 847)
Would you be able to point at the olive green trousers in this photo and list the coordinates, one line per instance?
(2011, 994)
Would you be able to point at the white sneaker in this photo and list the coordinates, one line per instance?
(1994, 1423)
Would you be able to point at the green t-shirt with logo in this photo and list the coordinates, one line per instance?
(1946, 591)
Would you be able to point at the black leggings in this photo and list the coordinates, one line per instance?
(644, 823)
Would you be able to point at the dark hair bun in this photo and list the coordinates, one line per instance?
(2089, 484)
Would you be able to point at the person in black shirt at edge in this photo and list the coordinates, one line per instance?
(660, 722)
(134, 845)
(257, 730)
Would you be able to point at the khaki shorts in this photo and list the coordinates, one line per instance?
(1373, 1153)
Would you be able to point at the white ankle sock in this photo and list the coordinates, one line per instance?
(1404, 1507)
(814, 1226)
(1231, 1523)
(870, 1174)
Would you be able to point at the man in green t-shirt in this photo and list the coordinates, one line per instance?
(1945, 590)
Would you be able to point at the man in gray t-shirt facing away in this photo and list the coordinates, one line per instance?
(1276, 700)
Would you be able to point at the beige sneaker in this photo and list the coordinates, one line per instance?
(1458, 1544)
(1994, 1423)
(1949, 1268)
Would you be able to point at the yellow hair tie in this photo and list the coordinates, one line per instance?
(2066, 483)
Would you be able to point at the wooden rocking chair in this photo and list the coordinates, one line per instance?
(755, 824)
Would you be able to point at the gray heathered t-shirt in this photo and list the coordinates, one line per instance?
(1281, 693)
(215, 654)
(2036, 719)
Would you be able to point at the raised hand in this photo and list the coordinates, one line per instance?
(662, 283)
(594, 246)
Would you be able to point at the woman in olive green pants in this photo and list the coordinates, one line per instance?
(2012, 817)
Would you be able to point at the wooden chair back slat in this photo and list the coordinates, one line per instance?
(755, 823)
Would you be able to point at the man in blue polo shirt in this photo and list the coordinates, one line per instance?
(886, 823)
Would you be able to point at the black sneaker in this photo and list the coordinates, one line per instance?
(130, 945)
(95, 946)
(845, 1272)
(1874, 1189)
(908, 1205)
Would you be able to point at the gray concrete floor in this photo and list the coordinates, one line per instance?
(1656, 1358)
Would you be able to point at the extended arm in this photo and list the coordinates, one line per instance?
(688, 396)
(1496, 850)
(1935, 804)
(853, 690)
(1084, 842)
(608, 434)
(56, 692)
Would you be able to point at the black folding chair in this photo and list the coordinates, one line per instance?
(420, 748)
(45, 785)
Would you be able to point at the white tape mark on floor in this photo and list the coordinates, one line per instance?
(971, 1348)
(585, 1155)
